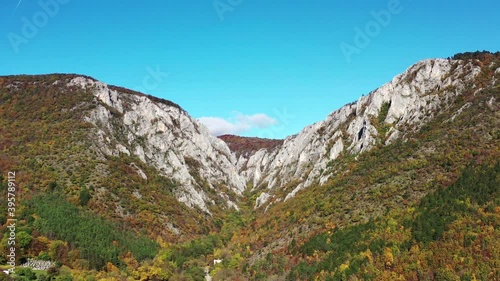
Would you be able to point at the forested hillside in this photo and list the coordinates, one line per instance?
(424, 206)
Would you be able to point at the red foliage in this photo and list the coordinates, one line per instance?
(247, 145)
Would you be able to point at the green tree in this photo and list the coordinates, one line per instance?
(84, 196)
(23, 239)
(196, 273)
(52, 186)
(27, 273)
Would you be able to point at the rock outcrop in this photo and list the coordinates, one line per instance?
(163, 135)
(403, 105)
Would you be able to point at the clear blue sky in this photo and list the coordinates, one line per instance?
(253, 67)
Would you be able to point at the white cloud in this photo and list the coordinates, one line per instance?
(237, 125)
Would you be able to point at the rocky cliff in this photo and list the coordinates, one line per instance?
(371, 190)
(162, 135)
(390, 112)
(205, 170)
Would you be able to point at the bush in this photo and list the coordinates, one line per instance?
(23, 239)
(84, 196)
(27, 273)
(384, 110)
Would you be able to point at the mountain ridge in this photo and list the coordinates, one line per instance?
(150, 169)
(351, 129)
(355, 127)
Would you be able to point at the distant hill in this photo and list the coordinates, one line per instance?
(248, 145)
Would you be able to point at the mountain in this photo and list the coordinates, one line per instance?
(391, 112)
(140, 159)
(112, 182)
(162, 135)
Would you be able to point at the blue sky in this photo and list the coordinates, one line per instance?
(250, 67)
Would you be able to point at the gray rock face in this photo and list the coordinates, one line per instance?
(410, 99)
(166, 137)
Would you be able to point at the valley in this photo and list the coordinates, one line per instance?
(114, 184)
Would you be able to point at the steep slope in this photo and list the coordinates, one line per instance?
(135, 156)
(164, 136)
(391, 112)
(423, 207)
(106, 174)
